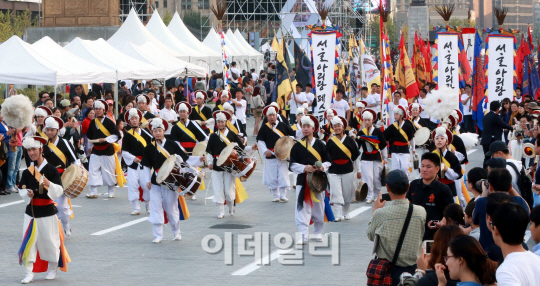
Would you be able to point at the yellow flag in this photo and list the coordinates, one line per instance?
(282, 78)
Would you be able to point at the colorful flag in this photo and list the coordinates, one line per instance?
(387, 84)
(302, 65)
(465, 72)
(427, 60)
(275, 44)
(419, 63)
(534, 80)
(530, 39)
(522, 52)
(525, 84)
(478, 84)
(283, 81)
(370, 71)
(409, 82)
(289, 66)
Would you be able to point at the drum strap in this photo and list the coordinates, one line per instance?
(162, 150)
(200, 113)
(57, 152)
(37, 175)
(137, 136)
(311, 149)
(275, 130)
(294, 127)
(416, 124)
(330, 127)
(402, 133)
(143, 120)
(187, 131)
(443, 159)
(232, 127)
(341, 146)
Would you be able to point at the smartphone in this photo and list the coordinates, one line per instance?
(433, 222)
(385, 197)
(528, 127)
(427, 245)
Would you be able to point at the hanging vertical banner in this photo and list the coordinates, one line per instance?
(500, 68)
(448, 61)
(469, 38)
(323, 45)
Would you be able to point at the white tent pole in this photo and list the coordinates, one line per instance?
(116, 99)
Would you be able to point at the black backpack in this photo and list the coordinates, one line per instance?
(524, 184)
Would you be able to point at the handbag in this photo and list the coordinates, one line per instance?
(379, 271)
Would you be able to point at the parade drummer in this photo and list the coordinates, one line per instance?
(234, 124)
(400, 136)
(356, 120)
(342, 152)
(202, 112)
(275, 173)
(374, 155)
(280, 116)
(164, 197)
(414, 110)
(187, 132)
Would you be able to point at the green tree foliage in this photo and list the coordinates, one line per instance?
(193, 20)
(393, 33)
(11, 24)
(167, 18)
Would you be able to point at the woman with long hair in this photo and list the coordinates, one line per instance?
(467, 262)
(453, 214)
(89, 115)
(505, 114)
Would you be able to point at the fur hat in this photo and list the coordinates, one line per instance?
(143, 98)
(369, 114)
(42, 110)
(310, 120)
(228, 106)
(17, 111)
(159, 123)
(400, 110)
(361, 104)
(34, 142)
(221, 115)
(132, 113)
(101, 104)
(224, 93)
(415, 106)
(270, 109)
(54, 122)
(328, 112)
(441, 131)
(339, 120)
(183, 105)
(201, 94)
(300, 110)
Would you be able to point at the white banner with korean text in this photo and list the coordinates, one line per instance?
(500, 67)
(448, 61)
(323, 45)
(469, 40)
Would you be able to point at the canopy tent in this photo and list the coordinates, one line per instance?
(246, 45)
(101, 53)
(182, 33)
(21, 64)
(149, 53)
(160, 31)
(134, 31)
(83, 70)
(230, 38)
(213, 41)
(256, 59)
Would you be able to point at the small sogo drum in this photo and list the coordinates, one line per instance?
(74, 180)
(421, 136)
(283, 147)
(238, 163)
(317, 181)
(181, 175)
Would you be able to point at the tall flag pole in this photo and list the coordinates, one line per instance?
(479, 84)
(219, 11)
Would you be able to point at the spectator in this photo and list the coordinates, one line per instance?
(521, 135)
(493, 128)
(310, 97)
(475, 174)
(43, 95)
(514, 105)
(5, 133)
(466, 262)
(15, 145)
(473, 229)
(535, 229)
(387, 224)
(168, 114)
(430, 193)
(49, 103)
(520, 267)
(79, 91)
(88, 104)
(498, 149)
(248, 92)
(505, 113)
(495, 163)
(262, 89)
(240, 105)
(9, 91)
(453, 214)
(257, 105)
(521, 112)
(439, 250)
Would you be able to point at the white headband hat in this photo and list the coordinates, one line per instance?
(225, 93)
(271, 111)
(221, 117)
(51, 123)
(367, 115)
(199, 95)
(397, 110)
(157, 123)
(415, 106)
(183, 107)
(133, 113)
(307, 120)
(328, 111)
(30, 142)
(305, 106)
(141, 99)
(299, 111)
(40, 112)
(441, 131)
(360, 105)
(228, 106)
(336, 121)
(99, 105)
(274, 104)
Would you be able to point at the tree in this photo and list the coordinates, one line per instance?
(167, 18)
(193, 20)
(15, 24)
(393, 33)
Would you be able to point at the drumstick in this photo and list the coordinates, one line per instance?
(93, 141)
(258, 152)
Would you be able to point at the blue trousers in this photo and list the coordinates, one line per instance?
(13, 167)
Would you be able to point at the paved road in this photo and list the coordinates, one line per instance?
(110, 247)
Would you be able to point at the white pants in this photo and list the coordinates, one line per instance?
(276, 177)
(101, 171)
(308, 213)
(371, 175)
(135, 179)
(341, 188)
(163, 199)
(223, 184)
(47, 240)
(401, 161)
(64, 212)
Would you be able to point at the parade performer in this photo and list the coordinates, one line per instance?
(224, 184)
(450, 170)
(202, 112)
(234, 124)
(356, 120)
(326, 130)
(165, 201)
(280, 116)
(60, 153)
(414, 110)
(310, 206)
(42, 248)
(37, 129)
(400, 136)
(143, 102)
(275, 174)
(104, 168)
(297, 127)
(374, 155)
(342, 152)
(133, 144)
(224, 96)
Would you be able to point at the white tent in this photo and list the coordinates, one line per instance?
(256, 59)
(101, 53)
(213, 41)
(134, 31)
(160, 31)
(149, 53)
(230, 38)
(83, 71)
(182, 33)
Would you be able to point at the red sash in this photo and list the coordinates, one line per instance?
(41, 202)
(60, 170)
(188, 144)
(101, 147)
(341, 161)
(397, 143)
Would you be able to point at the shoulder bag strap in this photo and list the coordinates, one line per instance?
(403, 232)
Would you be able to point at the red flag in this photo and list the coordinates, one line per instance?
(409, 81)
(522, 52)
(429, 69)
(479, 83)
(531, 46)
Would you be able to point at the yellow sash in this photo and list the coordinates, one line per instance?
(443, 159)
(137, 136)
(342, 147)
(37, 174)
(224, 138)
(161, 150)
(402, 133)
(232, 127)
(311, 149)
(41, 133)
(143, 120)
(58, 153)
(240, 191)
(220, 107)
(187, 131)
(275, 130)
(294, 127)
(120, 179)
(200, 113)
(329, 127)
(416, 124)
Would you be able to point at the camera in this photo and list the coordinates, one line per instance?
(520, 133)
(479, 183)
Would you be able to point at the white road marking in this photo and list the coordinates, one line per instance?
(12, 203)
(471, 151)
(358, 211)
(76, 206)
(210, 198)
(120, 226)
(527, 236)
(257, 264)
